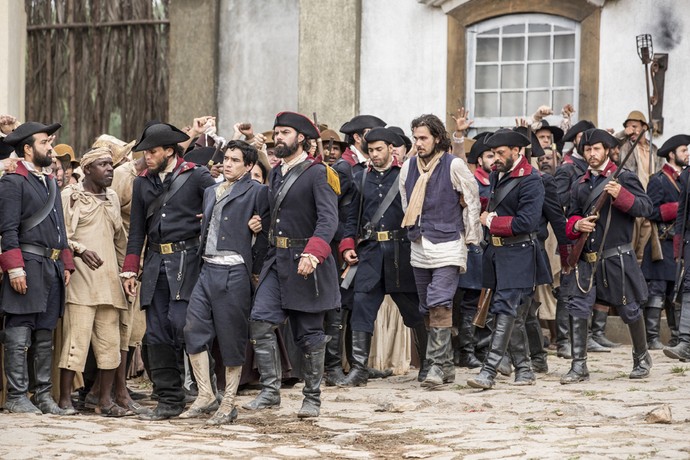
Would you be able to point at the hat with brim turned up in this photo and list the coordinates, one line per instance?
(159, 135)
(298, 122)
(672, 144)
(28, 129)
(506, 137)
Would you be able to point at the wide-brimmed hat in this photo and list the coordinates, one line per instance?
(555, 131)
(159, 134)
(595, 136)
(636, 115)
(672, 144)
(399, 131)
(28, 129)
(506, 137)
(579, 127)
(361, 122)
(328, 134)
(298, 122)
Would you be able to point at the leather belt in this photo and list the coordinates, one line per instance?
(499, 241)
(48, 253)
(169, 248)
(390, 235)
(284, 242)
(591, 257)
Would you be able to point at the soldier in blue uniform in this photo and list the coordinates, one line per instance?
(166, 200)
(512, 264)
(299, 279)
(664, 191)
(607, 271)
(375, 244)
(37, 264)
(355, 129)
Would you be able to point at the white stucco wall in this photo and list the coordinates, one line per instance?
(621, 84)
(12, 53)
(403, 60)
(258, 62)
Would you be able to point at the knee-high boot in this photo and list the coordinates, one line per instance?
(578, 337)
(167, 382)
(333, 361)
(17, 342)
(599, 329)
(205, 401)
(682, 349)
(652, 317)
(535, 340)
(466, 356)
(359, 361)
(421, 338)
(562, 329)
(642, 360)
(43, 354)
(519, 350)
(503, 329)
(313, 372)
(227, 412)
(267, 356)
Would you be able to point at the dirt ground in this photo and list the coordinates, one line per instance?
(395, 418)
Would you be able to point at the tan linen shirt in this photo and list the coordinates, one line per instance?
(96, 225)
(123, 183)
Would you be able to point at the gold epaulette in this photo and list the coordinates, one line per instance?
(333, 179)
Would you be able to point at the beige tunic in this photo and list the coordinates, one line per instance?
(123, 183)
(96, 225)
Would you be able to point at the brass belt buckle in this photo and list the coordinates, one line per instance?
(497, 241)
(382, 236)
(591, 257)
(54, 254)
(281, 242)
(166, 248)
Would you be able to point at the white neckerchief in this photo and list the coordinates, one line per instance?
(286, 166)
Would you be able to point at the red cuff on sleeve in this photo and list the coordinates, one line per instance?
(67, 260)
(624, 201)
(677, 239)
(318, 247)
(668, 211)
(484, 202)
(570, 231)
(564, 252)
(131, 263)
(11, 259)
(345, 244)
(501, 226)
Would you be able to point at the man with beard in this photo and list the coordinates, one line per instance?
(36, 263)
(92, 316)
(607, 270)
(664, 191)
(442, 209)
(166, 202)
(549, 161)
(512, 262)
(381, 252)
(356, 154)
(299, 280)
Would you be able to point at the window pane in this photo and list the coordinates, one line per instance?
(487, 49)
(535, 99)
(513, 49)
(485, 104)
(562, 29)
(514, 29)
(490, 32)
(487, 77)
(512, 104)
(538, 76)
(539, 48)
(564, 46)
(561, 98)
(513, 76)
(539, 28)
(564, 74)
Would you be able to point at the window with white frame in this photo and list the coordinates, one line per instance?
(516, 63)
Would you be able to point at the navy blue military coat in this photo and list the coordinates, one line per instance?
(520, 265)
(664, 191)
(377, 260)
(246, 199)
(618, 279)
(566, 176)
(22, 194)
(472, 278)
(175, 221)
(308, 211)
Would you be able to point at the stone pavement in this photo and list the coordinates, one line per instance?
(395, 418)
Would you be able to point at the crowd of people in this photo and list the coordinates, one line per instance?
(266, 258)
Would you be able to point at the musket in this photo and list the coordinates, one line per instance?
(578, 247)
(680, 263)
(479, 319)
(330, 148)
(319, 142)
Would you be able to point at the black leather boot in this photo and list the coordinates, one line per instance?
(313, 371)
(466, 357)
(167, 382)
(17, 342)
(652, 317)
(359, 362)
(333, 367)
(672, 319)
(503, 329)
(599, 329)
(578, 336)
(439, 352)
(421, 338)
(562, 329)
(682, 350)
(518, 348)
(535, 340)
(642, 360)
(43, 361)
(267, 356)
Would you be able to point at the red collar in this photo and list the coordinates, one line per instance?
(23, 171)
(522, 168)
(568, 159)
(610, 169)
(671, 171)
(481, 176)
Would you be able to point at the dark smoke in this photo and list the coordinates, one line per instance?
(668, 30)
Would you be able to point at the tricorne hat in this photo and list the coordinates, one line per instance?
(158, 134)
